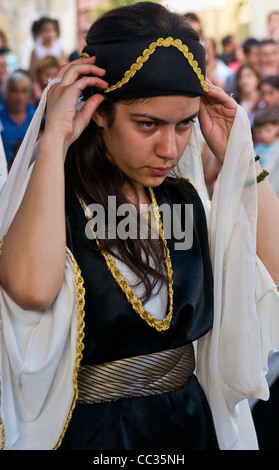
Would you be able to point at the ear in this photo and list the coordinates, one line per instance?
(99, 118)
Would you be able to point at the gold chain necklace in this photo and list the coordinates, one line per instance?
(160, 325)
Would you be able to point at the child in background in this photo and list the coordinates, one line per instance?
(269, 92)
(266, 139)
(46, 35)
(46, 68)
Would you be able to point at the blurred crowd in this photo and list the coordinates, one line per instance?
(21, 89)
(248, 70)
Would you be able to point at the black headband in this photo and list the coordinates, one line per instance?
(150, 67)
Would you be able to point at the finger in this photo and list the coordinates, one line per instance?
(84, 60)
(89, 81)
(211, 86)
(84, 115)
(204, 118)
(75, 71)
(90, 106)
(217, 94)
(203, 107)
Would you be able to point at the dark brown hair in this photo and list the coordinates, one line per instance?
(39, 24)
(44, 63)
(246, 65)
(272, 80)
(265, 116)
(88, 170)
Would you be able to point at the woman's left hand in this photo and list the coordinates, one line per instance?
(217, 113)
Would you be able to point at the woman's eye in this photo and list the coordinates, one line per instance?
(146, 124)
(186, 124)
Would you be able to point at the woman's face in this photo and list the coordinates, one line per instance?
(248, 80)
(48, 33)
(270, 95)
(273, 22)
(49, 72)
(148, 137)
(266, 134)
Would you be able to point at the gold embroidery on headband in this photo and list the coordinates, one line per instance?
(84, 55)
(147, 53)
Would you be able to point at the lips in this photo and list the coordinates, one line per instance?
(161, 171)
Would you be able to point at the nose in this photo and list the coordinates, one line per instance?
(167, 144)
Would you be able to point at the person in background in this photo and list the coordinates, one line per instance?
(268, 58)
(239, 59)
(251, 51)
(3, 42)
(46, 33)
(265, 133)
(46, 68)
(195, 22)
(217, 71)
(11, 59)
(269, 93)
(3, 74)
(229, 46)
(124, 141)
(17, 112)
(272, 31)
(246, 89)
(247, 52)
(266, 138)
(74, 55)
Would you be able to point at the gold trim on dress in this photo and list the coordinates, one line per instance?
(161, 42)
(160, 325)
(80, 302)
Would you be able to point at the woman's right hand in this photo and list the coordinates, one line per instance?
(63, 120)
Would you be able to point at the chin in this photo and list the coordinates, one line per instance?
(155, 181)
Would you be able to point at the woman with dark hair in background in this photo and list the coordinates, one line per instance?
(246, 89)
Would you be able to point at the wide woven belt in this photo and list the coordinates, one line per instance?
(148, 374)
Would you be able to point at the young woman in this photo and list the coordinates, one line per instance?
(269, 93)
(246, 89)
(113, 367)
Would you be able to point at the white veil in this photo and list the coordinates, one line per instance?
(232, 360)
(40, 351)
(3, 163)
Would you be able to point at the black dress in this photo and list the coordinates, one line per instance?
(179, 420)
(265, 415)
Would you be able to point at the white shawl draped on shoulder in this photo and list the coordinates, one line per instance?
(232, 360)
(40, 352)
(3, 163)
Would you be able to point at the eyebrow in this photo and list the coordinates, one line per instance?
(162, 121)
